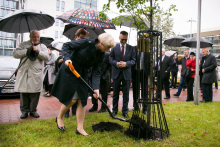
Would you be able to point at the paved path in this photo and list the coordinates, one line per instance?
(48, 107)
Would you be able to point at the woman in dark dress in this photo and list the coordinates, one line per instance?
(67, 88)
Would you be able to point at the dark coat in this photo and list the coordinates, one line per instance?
(129, 58)
(85, 55)
(183, 62)
(166, 65)
(106, 68)
(209, 65)
(174, 65)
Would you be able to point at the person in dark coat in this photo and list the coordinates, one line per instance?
(200, 72)
(174, 71)
(68, 88)
(122, 57)
(191, 64)
(144, 82)
(209, 75)
(165, 68)
(183, 62)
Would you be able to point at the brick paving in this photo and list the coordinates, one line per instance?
(48, 107)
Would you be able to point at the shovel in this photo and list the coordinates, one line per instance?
(72, 69)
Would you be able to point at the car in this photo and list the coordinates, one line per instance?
(7, 67)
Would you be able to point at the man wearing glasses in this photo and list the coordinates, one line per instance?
(122, 57)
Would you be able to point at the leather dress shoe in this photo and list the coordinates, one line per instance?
(202, 101)
(167, 98)
(189, 100)
(34, 114)
(102, 110)
(24, 115)
(61, 128)
(78, 133)
(66, 115)
(125, 115)
(94, 108)
(176, 95)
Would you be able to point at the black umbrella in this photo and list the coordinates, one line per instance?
(174, 41)
(46, 40)
(70, 30)
(192, 42)
(25, 20)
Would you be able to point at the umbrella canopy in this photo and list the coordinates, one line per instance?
(174, 41)
(169, 53)
(70, 30)
(200, 52)
(46, 40)
(86, 17)
(58, 44)
(192, 41)
(25, 20)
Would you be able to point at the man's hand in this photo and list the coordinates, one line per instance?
(60, 61)
(203, 70)
(34, 47)
(123, 64)
(165, 71)
(67, 62)
(97, 93)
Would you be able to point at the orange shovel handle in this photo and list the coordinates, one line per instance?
(73, 70)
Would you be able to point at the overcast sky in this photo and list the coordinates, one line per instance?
(187, 9)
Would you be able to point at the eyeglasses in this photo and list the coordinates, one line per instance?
(124, 39)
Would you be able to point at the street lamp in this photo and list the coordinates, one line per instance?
(191, 26)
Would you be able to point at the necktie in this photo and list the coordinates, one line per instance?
(122, 51)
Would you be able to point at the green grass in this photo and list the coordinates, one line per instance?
(200, 127)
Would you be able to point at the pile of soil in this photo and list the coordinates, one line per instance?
(107, 126)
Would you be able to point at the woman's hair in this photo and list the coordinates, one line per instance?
(81, 33)
(192, 53)
(107, 40)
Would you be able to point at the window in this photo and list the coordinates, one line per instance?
(56, 21)
(85, 4)
(61, 23)
(61, 34)
(1, 42)
(58, 5)
(2, 12)
(1, 51)
(77, 5)
(56, 34)
(8, 52)
(6, 3)
(1, 2)
(62, 6)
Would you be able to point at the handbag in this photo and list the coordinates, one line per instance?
(188, 74)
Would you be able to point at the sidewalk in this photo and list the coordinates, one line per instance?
(48, 107)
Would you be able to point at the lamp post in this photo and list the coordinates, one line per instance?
(191, 28)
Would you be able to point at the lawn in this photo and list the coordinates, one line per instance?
(189, 125)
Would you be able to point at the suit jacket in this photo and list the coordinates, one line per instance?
(209, 66)
(174, 66)
(106, 68)
(129, 58)
(166, 65)
(183, 62)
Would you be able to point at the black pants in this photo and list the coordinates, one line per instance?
(144, 85)
(116, 90)
(48, 86)
(29, 101)
(174, 79)
(165, 83)
(216, 84)
(207, 92)
(190, 89)
(104, 87)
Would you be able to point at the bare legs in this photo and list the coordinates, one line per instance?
(80, 115)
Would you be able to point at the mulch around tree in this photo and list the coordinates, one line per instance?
(106, 126)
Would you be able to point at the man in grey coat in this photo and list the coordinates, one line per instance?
(209, 75)
(29, 80)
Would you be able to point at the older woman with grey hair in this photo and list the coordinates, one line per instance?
(69, 89)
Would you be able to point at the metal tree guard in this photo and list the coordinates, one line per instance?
(154, 125)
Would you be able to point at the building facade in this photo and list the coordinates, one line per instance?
(52, 7)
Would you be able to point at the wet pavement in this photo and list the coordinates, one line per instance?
(48, 107)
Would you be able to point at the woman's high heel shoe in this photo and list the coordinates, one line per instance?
(61, 128)
(78, 133)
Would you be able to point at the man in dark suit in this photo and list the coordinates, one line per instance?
(209, 75)
(165, 69)
(122, 57)
(183, 62)
(174, 71)
(144, 82)
(105, 80)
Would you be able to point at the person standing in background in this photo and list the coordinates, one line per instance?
(174, 70)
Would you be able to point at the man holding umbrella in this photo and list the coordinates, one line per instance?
(29, 80)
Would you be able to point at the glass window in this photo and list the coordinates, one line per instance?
(61, 23)
(8, 52)
(56, 21)
(14, 5)
(83, 1)
(87, 6)
(6, 3)
(1, 42)
(94, 2)
(63, 6)
(58, 5)
(56, 34)
(2, 3)
(94, 7)
(61, 34)
(77, 5)
(2, 12)
(83, 5)
(1, 51)
(5, 43)
(89, 1)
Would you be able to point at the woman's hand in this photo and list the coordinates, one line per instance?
(97, 93)
(194, 58)
(67, 62)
